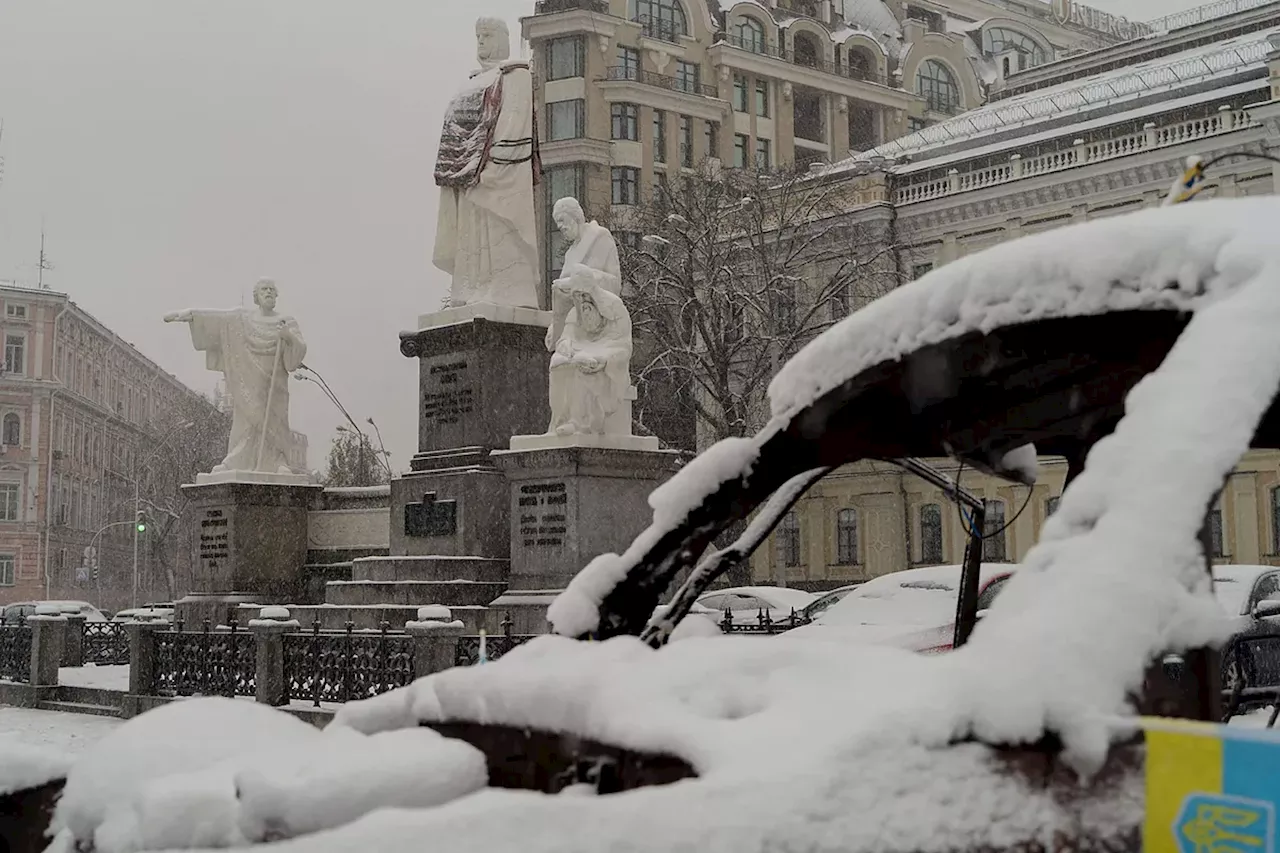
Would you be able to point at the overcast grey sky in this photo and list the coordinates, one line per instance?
(180, 149)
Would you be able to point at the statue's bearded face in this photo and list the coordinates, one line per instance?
(264, 295)
(588, 314)
(570, 226)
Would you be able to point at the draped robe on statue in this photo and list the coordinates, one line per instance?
(244, 345)
(486, 236)
(586, 399)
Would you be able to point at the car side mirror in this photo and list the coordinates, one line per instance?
(1266, 608)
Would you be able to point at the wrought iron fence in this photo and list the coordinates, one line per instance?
(15, 653)
(329, 667)
(105, 643)
(764, 623)
(859, 69)
(206, 662)
(495, 646)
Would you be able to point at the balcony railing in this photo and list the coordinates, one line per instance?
(1080, 153)
(550, 7)
(660, 81)
(660, 28)
(849, 71)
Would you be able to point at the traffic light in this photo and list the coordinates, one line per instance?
(142, 521)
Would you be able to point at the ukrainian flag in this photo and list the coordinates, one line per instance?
(1210, 788)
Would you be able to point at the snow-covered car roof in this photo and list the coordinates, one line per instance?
(1232, 585)
(924, 597)
(774, 596)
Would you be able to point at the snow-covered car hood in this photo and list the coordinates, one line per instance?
(912, 637)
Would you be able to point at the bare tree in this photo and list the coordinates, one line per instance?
(353, 461)
(733, 271)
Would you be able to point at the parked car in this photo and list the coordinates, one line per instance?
(17, 612)
(914, 608)
(145, 614)
(824, 601)
(746, 603)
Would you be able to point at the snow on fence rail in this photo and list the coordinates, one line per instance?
(1081, 153)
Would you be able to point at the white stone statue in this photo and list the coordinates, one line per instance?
(255, 349)
(486, 237)
(590, 335)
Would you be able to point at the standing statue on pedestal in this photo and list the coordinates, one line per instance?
(255, 349)
(486, 237)
(590, 334)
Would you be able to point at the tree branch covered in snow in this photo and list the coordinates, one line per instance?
(735, 271)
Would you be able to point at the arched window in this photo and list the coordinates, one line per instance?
(931, 534)
(805, 51)
(12, 430)
(847, 537)
(859, 64)
(788, 540)
(998, 40)
(937, 85)
(749, 34)
(663, 19)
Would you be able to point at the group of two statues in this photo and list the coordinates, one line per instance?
(486, 238)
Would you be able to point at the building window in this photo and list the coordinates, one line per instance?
(847, 537)
(625, 122)
(748, 34)
(659, 185)
(628, 63)
(1216, 546)
(567, 119)
(659, 136)
(937, 85)
(805, 50)
(740, 93)
(784, 306)
(763, 154)
(7, 570)
(741, 144)
(568, 58)
(931, 533)
(688, 77)
(663, 19)
(9, 501)
(713, 139)
(1051, 506)
(788, 540)
(14, 311)
(920, 270)
(15, 351)
(625, 183)
(862, 127)
(561, 182)
(762, 98)
(686, 142)
(998, 40)
(993, 533)
(12, 431)
(932, 20)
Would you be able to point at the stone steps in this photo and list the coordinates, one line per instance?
(430, 569)
(88, 696)
(80, 708)
(416, 593)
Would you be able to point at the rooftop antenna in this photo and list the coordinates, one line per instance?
(44, 259)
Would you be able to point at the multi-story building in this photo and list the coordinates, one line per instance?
(631, 92)
(1076, 139)
(91, 430)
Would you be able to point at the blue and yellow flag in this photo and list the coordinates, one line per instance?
(1210, 788)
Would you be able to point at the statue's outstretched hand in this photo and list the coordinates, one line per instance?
(178, 317)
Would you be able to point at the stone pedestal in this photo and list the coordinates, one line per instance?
(482, 379)
(572, 500)
(252, 538)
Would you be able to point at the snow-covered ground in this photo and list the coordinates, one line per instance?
(97, 677)
(53, 729)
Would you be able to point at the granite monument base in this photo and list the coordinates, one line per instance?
(462, 511)
(251, 538)
(569, 504)
(482, 378)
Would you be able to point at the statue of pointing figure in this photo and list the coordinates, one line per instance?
(256, 349)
